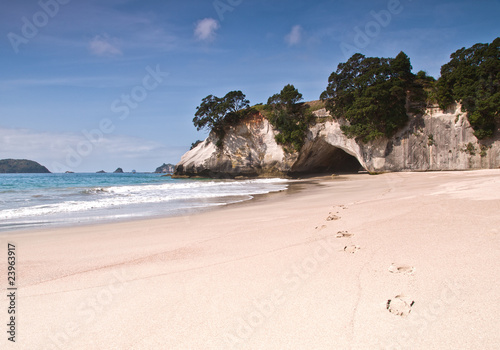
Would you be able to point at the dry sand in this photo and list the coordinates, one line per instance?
(404, 261)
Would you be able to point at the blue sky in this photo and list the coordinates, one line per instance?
(91, 85)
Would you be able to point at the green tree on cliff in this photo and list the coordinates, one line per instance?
(371, 93)
(472, 77)
(289, 117)
(216, 113)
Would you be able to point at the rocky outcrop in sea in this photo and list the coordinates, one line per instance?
(165, 169)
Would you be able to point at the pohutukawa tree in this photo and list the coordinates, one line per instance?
(371, 93)
(472, 77)
(289, 117)
(216, 113)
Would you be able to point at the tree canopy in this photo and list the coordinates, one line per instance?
(215, 113)
(289, 117)
(287, 98)
(472, 77)
(371, 93)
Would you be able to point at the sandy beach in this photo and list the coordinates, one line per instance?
(393, 261)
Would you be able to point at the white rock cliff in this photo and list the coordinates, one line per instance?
(437, 140)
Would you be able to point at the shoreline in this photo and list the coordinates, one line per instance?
(83, 219)
(400, 260)
(293, 188)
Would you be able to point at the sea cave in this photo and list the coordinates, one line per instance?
(324, 158)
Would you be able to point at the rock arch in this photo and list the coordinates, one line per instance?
(320, 156)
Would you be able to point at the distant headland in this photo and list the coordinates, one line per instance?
(17, 166)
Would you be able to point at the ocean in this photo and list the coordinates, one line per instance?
(41, 200)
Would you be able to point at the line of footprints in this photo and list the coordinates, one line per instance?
(400, 305)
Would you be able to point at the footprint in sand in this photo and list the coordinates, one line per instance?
(351, 249)
(409, 270)
(332, 217)
(344, 234)
(322, 227)
(400, 305)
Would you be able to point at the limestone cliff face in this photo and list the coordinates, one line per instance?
(249, 150)
(437, 140)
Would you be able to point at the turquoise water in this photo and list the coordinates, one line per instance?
(31, 200)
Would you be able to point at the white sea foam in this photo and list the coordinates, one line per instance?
(192, 194)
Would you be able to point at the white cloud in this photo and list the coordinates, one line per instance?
(295, 36)
(104, 46)
(206, 29)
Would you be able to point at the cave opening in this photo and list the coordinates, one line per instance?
(323, 158)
